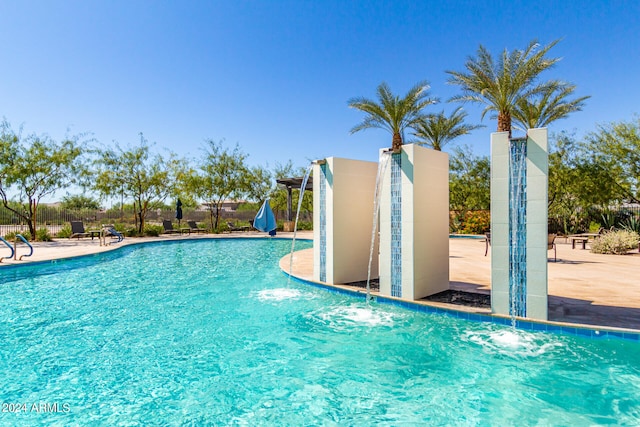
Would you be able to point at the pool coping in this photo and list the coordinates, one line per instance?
(479, 315)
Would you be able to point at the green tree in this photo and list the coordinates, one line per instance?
(437, 130)
(469, 181)
(138, 174)
(79, 202)
(499, 85)
(577, 184)
(259, 184)
(32, 168)
(615, 155)
(566, 204)
(546, 107)
(222, 174)
(391, 112)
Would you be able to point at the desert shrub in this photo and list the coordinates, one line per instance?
(617, 242)
(153, 230)
(594, 227)
(11, 236)
(42, 235)
(128, 231)
(476, 222)
(305, 225)
(65, 232)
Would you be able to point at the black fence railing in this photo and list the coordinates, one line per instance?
(54, 218)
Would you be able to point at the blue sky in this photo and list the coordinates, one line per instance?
(275, 76)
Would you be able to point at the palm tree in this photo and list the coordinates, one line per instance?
(391, 112)
(499, 85)
(546, 107)
(437, 130)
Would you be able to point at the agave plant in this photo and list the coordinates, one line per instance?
(632, 223)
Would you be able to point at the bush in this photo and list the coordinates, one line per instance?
(594, 227)
(129, 232)
(42, 235)
(302, 225)
(617, 242)
(11, 236)
(65, 232)
(153, 230)
(476, 222)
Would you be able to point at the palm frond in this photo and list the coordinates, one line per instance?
(437, 130)
(391, 112)
(501, 83)
(545, 104)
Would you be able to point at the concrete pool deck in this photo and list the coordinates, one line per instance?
(584, 288)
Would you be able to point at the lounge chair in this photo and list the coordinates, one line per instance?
(232, 227)
(168, 228)
(193, 227)
(109, 230)
(77, 230)
(552, 245)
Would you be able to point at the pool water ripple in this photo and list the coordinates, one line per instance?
(209, 333)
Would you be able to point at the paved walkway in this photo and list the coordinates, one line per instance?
(584, 288)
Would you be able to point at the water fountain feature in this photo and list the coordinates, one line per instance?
(412, 214)
(519, 179)
(385, 157)
(343, 191)
(295, 226)
(409, 193)
(414, 224)
(517, 228)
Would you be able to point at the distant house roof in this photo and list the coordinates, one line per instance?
(296, 182)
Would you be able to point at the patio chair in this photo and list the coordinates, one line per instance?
(232, 227)
(168, 227)
(487, 242)
(193, 227)
(77, 230)
(552, 245)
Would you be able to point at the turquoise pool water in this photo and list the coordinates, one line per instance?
(210, 333)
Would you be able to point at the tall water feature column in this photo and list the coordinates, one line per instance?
(519, 187)
(414, 224)
(342, 215)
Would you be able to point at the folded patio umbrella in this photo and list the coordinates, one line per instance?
(178, 210)
(265, 220)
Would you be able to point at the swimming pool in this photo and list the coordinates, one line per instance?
(209, 332)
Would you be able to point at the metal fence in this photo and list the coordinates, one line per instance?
(55, 218)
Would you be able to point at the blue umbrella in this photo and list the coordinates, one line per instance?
(178, 210)
(265, 220)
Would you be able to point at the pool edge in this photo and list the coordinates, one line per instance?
(562, 328)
